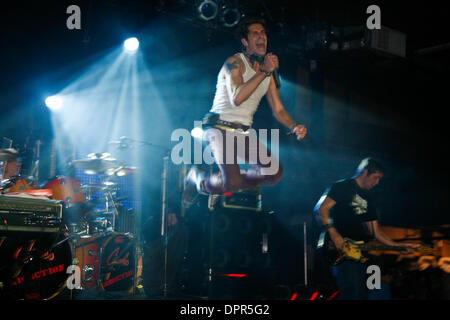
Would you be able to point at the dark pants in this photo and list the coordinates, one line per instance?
(351, 280)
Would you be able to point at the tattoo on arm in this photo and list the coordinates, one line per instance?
(234, 78)
(232, 65)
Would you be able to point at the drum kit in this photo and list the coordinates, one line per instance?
(34, 266)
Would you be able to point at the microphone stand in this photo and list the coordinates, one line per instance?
(164, 202)
(164, 212)
(305, 255)
(124, 139)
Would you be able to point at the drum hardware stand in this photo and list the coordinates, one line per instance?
(164, 207)
(52, 170)
(115, 211)
(8, 144)
(37, 155)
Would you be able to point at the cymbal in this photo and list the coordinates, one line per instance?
(99, 186)
(96, 165)
(125, 170)
(95, 214)
(8, 154)
(98, 155)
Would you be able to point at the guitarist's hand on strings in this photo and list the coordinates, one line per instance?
(337, 239)
(409, 248)
(339, 242)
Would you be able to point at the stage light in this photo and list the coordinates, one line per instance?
(230, 17)
(54, 102)
(197, 133)
(131, 44)
(207, 10)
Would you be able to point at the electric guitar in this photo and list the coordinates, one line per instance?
(353, 250)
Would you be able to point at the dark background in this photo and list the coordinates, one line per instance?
(392, 108)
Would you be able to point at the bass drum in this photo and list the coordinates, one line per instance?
(35, 269)
(117, 265)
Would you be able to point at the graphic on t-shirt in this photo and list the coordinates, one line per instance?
(359, 205)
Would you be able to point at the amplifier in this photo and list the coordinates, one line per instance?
(29, 214)
(244, 199)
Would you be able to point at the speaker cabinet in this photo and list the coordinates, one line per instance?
(240, 256)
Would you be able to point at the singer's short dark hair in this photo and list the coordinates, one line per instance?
(242, 28)
(371, 165)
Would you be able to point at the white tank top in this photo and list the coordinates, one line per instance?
(244, 112)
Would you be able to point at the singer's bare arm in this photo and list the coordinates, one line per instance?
(280, 112)
(237, 89)
(278, 109)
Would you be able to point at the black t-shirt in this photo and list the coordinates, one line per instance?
(353, 208)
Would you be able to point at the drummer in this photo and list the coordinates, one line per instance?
(12, 169)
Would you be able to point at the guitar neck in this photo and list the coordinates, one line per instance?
(369, 247)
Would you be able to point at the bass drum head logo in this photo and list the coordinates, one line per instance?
(117, 263)
(38, 272)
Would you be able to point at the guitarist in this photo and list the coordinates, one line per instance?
(346, 209)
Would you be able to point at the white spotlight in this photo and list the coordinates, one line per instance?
(54, 102)
(131, 44)
(197, 133)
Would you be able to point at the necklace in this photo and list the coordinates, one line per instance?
(255, 58)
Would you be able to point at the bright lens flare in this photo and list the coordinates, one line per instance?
(197, 133)
(131, 44)
(54, 102)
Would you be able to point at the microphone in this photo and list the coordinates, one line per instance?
(260, 60)
(276, 78)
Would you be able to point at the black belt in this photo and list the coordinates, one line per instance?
(212, 119)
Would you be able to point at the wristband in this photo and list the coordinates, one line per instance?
(329, 224)
(291, 127)
(268, 73)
